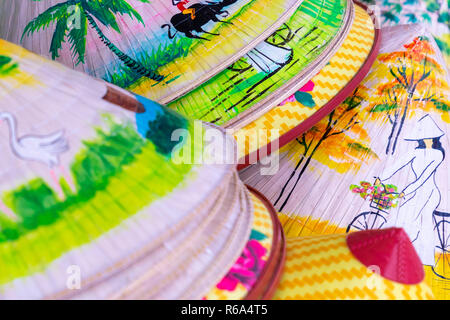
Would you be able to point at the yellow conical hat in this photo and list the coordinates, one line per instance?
(330, 267)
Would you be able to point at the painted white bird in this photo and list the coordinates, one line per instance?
(41, 148)
(45, 148)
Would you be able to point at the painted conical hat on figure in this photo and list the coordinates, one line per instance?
(274, 69)
(93, 184)
(136, 43)
(425, 128)
(354, 169)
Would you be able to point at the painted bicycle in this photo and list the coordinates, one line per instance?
(385, 197)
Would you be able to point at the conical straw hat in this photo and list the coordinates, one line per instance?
(327, 178)
(274, 69)
(374, 264)
(135, 43)
(91, 184)
(326, 90)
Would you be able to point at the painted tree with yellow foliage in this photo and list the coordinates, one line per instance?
(338, 141)
(407, 80)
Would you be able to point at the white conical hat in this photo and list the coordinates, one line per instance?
(425, 128)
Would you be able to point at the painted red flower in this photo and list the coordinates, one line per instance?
(246, 269)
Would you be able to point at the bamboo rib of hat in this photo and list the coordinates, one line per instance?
(165, 48)
(91, 186)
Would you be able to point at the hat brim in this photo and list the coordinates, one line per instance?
(418, 139)
(267, 225)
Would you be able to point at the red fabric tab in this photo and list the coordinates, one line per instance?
(391, 251)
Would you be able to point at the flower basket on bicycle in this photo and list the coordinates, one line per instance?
(382, 199)
(382, 202)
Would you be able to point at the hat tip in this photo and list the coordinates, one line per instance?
(390, 251)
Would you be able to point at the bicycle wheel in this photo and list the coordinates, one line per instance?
(442, 264)
(367, 220)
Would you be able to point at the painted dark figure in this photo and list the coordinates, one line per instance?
(196, 16)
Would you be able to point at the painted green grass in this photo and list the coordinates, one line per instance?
(235, 90)
(118, 174)
(37, 204)
(125, 77)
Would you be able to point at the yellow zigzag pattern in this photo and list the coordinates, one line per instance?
(311, 240)
(336, 75)
(314, 263)
(322, 96)
(347, 293)
(328, 85)
(348, 56)
(358, 40)
(318, 279)
(324, 268)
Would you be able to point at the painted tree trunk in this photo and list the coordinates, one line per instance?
(397, 129)
(391, 135)
(402, 121)
(127, 60)
(291, 176)
(308, 160)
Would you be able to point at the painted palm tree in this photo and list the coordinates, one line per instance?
(72, 19)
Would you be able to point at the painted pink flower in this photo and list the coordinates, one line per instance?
(246, 269)
(308, 87)
(287, 100)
